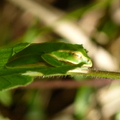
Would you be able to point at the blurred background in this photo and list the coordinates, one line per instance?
(93, 23)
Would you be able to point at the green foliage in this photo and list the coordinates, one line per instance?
(9, 79)
(82, 102)
(18, 68)
(6, 98)
(14, 31)
(36, 106)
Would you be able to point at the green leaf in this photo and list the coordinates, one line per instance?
(11, 77)
(6, 53)
(11, 80)
(14, 77)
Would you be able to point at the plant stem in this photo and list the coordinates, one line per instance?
(98, 73)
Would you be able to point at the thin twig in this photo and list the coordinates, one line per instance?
(102, 78)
